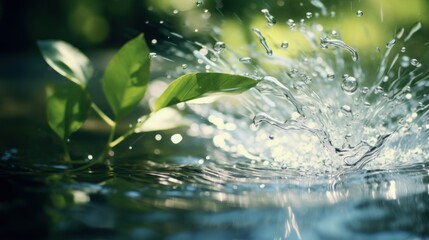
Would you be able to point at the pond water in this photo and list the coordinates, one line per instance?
(331, 144)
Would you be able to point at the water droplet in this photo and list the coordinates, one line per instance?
(245, 60)
(309, 15)
(154, 41)
(359, 13)
(201, 161)
(263, 41)
(271, 137)
(325, 42)
(349, 84)
(111, 153)
(403, 49)
(405, 61)
(158, 137)
(416, 27)
(391, 43)
(415, 63)
(152, 55)
(378, 90)
(175, 11)
(262, 186)
(219, 47)
(176, 138)
(291, 23)
(90, 157)
(199, 3)
(284, 45)
(270, 18)
(346, 109)
(408, 96)
(130, 147)
(365, 90)
(161, 22)
(184, 66)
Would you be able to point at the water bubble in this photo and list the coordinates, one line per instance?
(175, 11)
(161, 22)
(270, 18)
(359, 13)
(391, 43)
(184, 66)
(219, 47)
(90, 157)
(154, 41)
(199, 3)
(365, 90)
(415, 63)
(349, 84)
(245, 60)
(284, 45)
(152, 55)
(130, 147)
(403, 49)
(309, 15)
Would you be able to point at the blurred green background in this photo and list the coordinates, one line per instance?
(109, 23)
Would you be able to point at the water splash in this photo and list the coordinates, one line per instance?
(305, 118)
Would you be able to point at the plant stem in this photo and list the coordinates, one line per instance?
(103, 155)
(103, 116)
(67, 153)
(131, 131)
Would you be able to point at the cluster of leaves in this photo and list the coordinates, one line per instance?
(124, 84)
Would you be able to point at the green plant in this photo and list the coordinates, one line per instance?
(124, 83)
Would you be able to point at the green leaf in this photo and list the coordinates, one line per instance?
(67, 106)
(127, 76)
(67, 60)
(196, 85)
